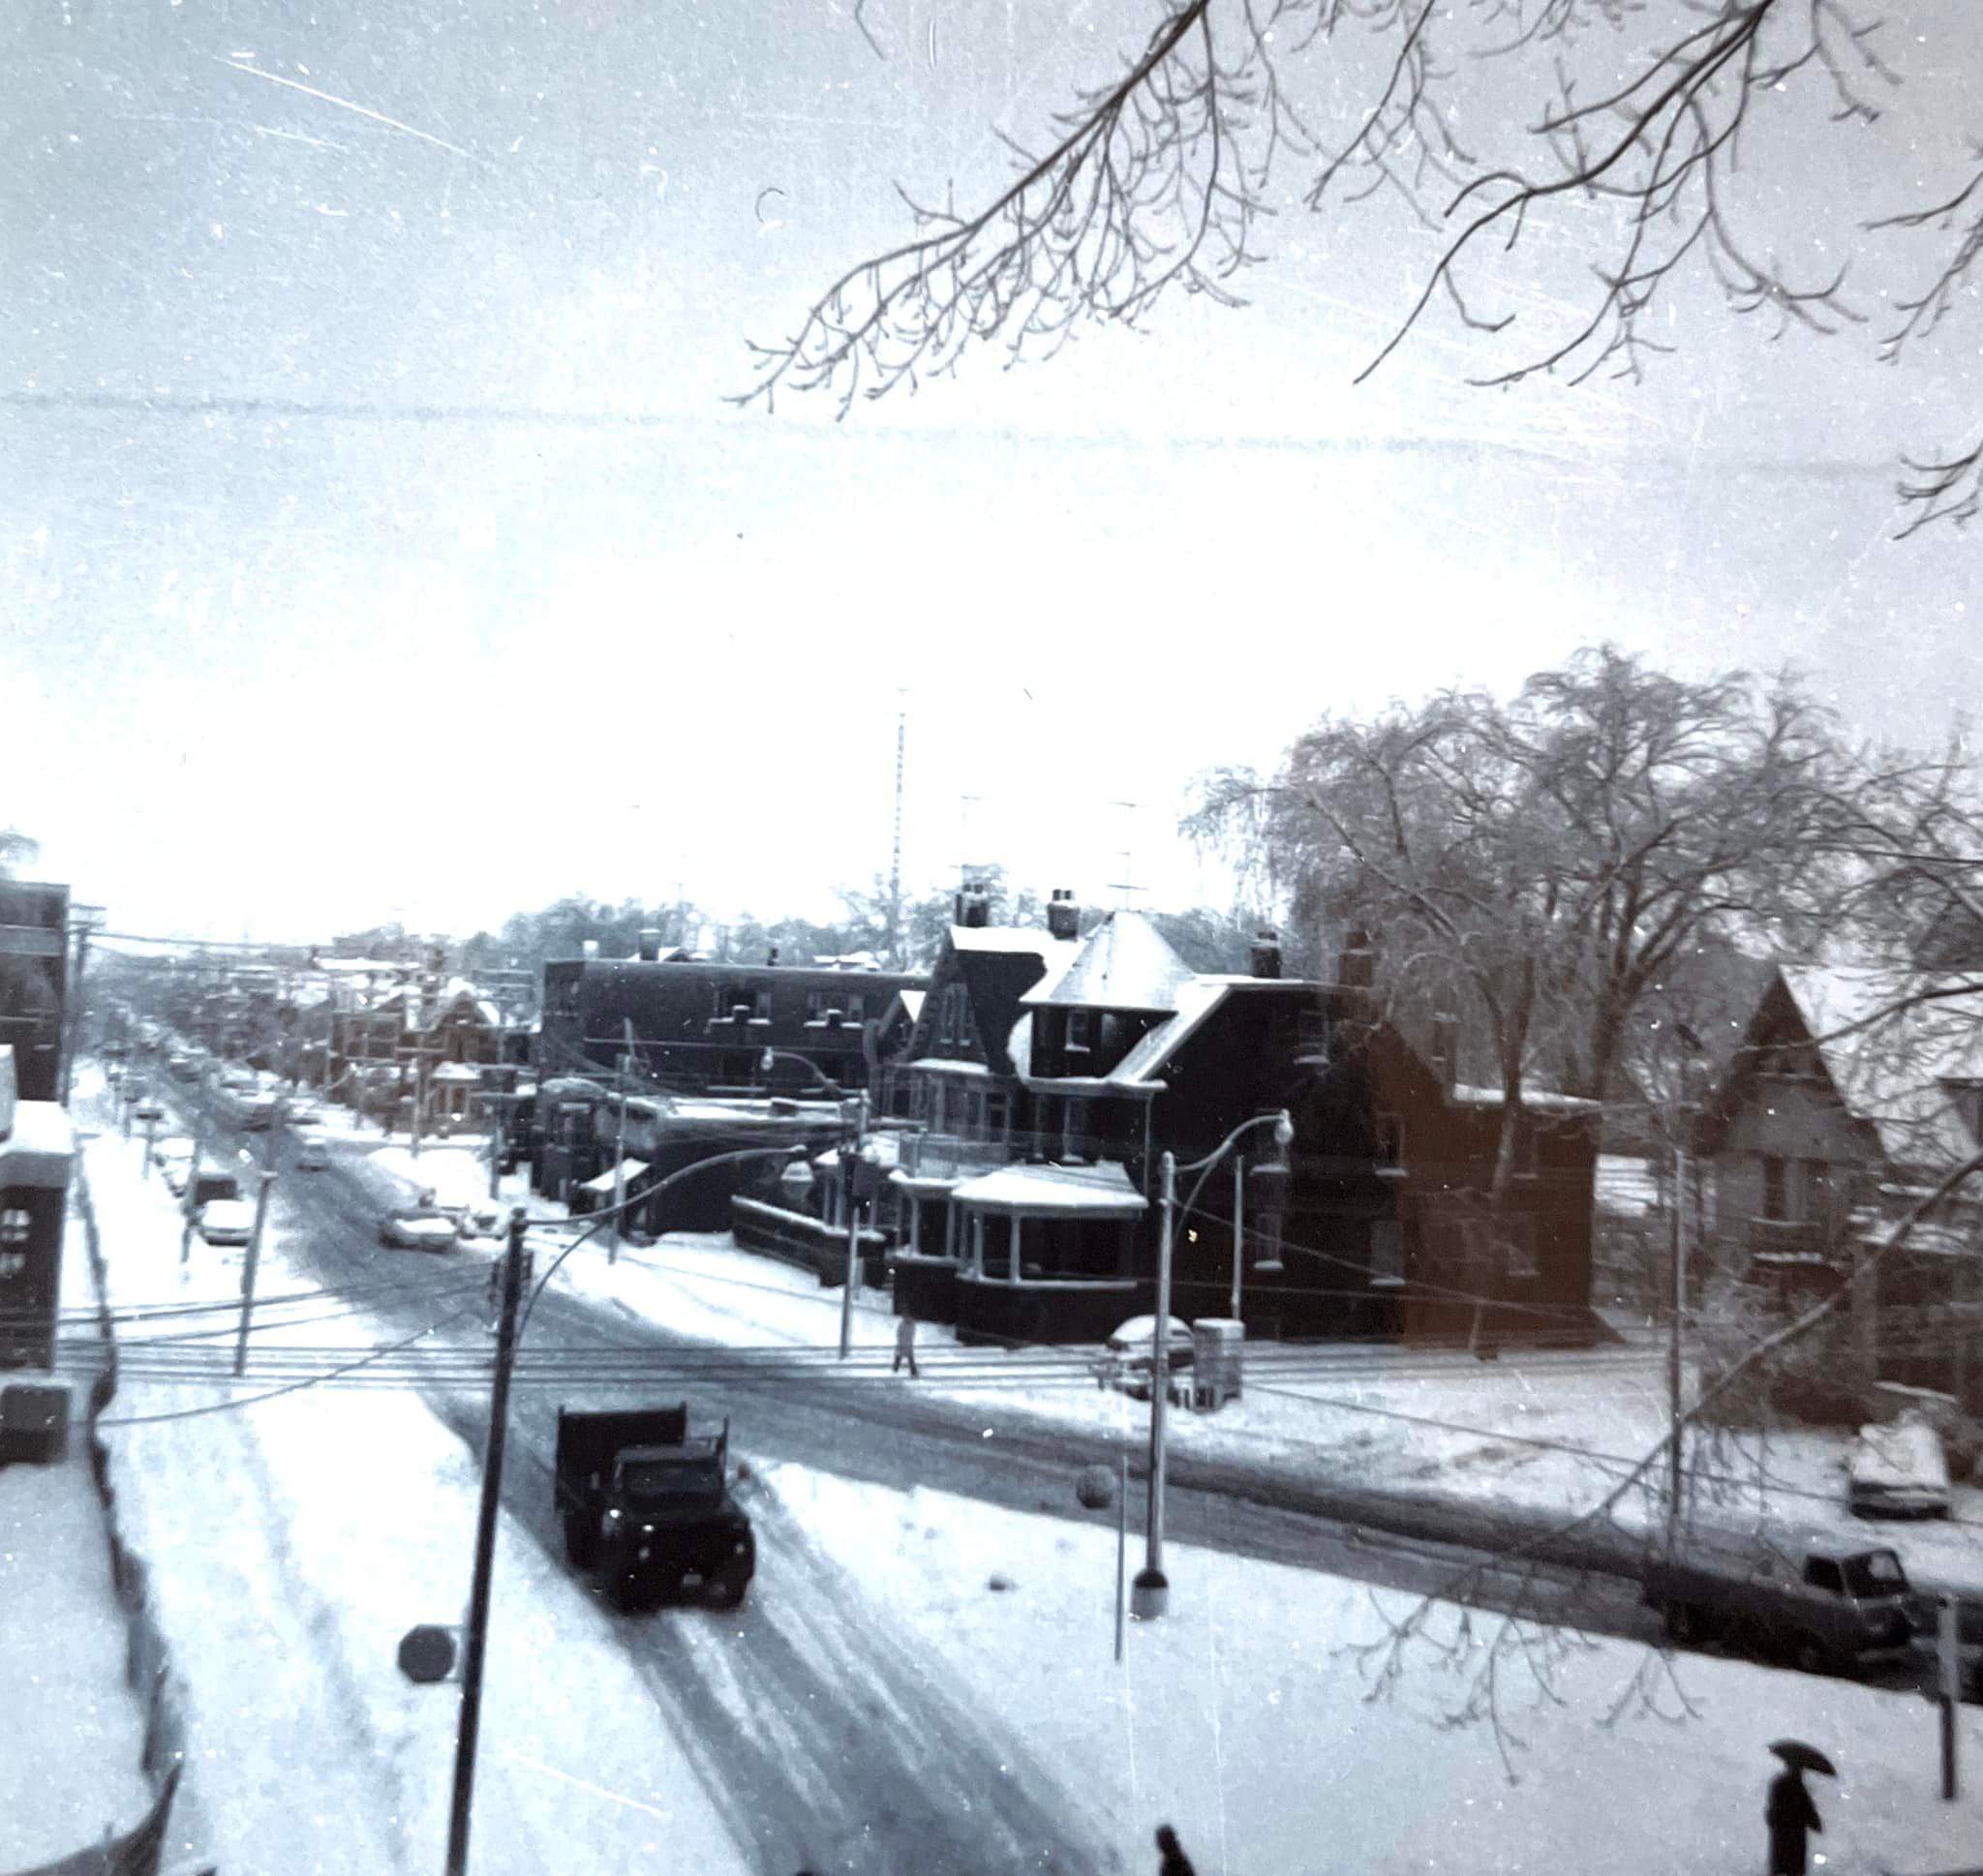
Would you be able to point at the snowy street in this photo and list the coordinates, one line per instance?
(878, 1705)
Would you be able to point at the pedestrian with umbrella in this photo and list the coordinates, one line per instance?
(1790, 1814)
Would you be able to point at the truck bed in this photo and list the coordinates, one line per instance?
(587, 1441)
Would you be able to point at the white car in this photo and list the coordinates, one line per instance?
(313, 1153)
(1126, 1356)
(415, 1230)
(1899, 1471)
(226, 1220)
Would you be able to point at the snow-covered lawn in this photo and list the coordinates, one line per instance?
(293, 1541)
(1242, 1717)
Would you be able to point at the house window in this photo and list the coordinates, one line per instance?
(1077, 1032)
(1075, 1129)
(1390, 1139)
(974, 1113)
(857, 1009)
(1817, 1192)
(997, 1115)
(14, 1225)
(1774, 1202)
(1386, 1253)
(1518, 1241)
(946, 1021)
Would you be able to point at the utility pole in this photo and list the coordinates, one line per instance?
(477, 1640)
(849, 1174)
(894, 871)
(248, 1265)
(1152, 1593)
(186, 1205)
(74, 1026)
(626, 1060)
(1238, 1228)
(1676, 1426)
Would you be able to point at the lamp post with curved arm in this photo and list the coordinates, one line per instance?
(1150, 1593)
(853, 1149)
(510, 1325)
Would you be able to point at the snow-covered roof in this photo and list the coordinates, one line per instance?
(1012, 938)
(39, 1146)
(948, 1064)
(1123, 964)
(1540, 1100)
(1103, 1189)
(459, 1072)
(1197, 999)
(604, 1182)
(1888, 1041)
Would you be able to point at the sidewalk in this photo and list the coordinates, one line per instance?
(74, 1730)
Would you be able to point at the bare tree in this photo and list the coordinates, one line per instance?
(17, 849)
(1619, 122)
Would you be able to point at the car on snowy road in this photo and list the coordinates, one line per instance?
(414, 1228)
(1127, 1357)
(226, 1220)
(313, 1153)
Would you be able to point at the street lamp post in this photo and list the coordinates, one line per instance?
(1150, 1593)
(853, 1148)
(509, 1329)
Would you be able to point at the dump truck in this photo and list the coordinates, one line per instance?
(1825, 1606)
(647, 1506)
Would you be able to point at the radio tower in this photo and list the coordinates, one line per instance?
(896, 960)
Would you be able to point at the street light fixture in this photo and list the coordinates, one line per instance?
(1150, 1593)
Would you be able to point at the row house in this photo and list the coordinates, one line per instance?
(1041, 1112)
(697, 1027)
(1854, 1093)
(388, 1043)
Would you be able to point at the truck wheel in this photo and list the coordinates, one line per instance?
(623, 1590)
(1809, 1655)
(1684, 1623)
(728, 1589)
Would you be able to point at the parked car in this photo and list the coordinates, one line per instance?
(1825, 1606)
(313, 1153)
(1899, 1471)
(485, 1217)
(414, 1228)
(304, 1114)
(147, 1110)
(1126, 1356)
(226, 1220)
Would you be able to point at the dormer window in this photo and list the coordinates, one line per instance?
(1079, 1032)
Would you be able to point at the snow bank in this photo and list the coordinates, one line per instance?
(1245, 1717)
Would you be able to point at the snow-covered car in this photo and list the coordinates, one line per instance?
(415, 1230)
(484, 1217)
(147, 1110)
(226, 1220)
(304, 1114)
(313, 1153)
(1899, 1471)
(1126, 1356)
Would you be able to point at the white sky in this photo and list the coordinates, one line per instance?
(275, 664)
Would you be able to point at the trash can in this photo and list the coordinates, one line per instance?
(1218, 1359)
(34, 1423)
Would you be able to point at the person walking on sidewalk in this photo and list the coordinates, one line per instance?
(1176, 1862)
(905, 1346)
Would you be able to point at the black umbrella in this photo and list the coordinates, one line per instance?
(1803, 1758)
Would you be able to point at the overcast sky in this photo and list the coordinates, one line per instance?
(377, 542)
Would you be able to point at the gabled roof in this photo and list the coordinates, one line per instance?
(1888, 1040)
(1123, 964)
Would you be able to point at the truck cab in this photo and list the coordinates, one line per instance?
(648, 1506)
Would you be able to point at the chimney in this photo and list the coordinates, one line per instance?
(973, 906)
(1064, 914)
(591, 949)
(1445, 1055)
(650, 945)
(1264, 954)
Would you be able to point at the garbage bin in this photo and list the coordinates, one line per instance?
(34, 1423)
(1217, 1358)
